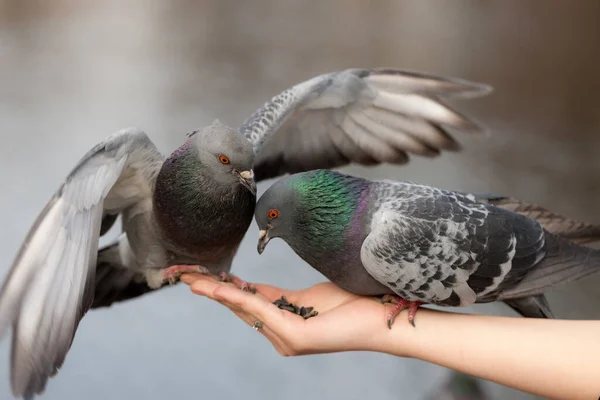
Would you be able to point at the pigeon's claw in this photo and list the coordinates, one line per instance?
(172, 274)
(412, 311)
(248, 287)
(400, 304)
(239, 283)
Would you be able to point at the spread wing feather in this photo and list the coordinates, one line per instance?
(50, 285)
(365, 116)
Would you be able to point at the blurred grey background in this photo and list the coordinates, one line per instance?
(72, 72)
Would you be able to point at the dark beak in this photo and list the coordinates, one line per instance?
(263, 239)
(247, 180)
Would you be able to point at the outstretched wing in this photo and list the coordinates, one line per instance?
(367, 116)
(443, 248)
(51, 283)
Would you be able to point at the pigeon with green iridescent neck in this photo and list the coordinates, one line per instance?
(413, 244)
(190, 211)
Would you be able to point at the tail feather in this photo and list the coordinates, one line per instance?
(565, 262)
(114, 281)
(531, 306)
(577, 231)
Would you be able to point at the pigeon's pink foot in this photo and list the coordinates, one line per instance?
(172, 274)
(400, 304)
(239, 283)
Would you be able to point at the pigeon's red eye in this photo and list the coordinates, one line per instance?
(223, 159)
(273, 214)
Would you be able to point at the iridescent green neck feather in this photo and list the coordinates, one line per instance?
(324, 217)
(327, 203)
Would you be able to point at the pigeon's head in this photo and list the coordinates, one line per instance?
(311, 210)
(275, 212)
(225, 153)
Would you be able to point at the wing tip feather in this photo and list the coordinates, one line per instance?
(428, 83)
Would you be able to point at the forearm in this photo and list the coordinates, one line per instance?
(551, 358)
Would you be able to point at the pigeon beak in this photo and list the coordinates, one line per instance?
(247, 180)
(263, 239)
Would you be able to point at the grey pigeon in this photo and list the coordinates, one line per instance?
(190, 211)
(413, 244)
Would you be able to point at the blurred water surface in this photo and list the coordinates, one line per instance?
(71, 72)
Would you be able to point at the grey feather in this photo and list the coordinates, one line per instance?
(459, 386)
(564, 262)
(531, 306)
(366, 116)
(107, 222)
(50, 285)
(114, 281)
(576, 231)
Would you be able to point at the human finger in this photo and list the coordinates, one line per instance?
(280, 321)
(190, 278)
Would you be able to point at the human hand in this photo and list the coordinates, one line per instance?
(345, 322)
(508, 351)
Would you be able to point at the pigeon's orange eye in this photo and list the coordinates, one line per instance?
(273, 214)
(223, 159)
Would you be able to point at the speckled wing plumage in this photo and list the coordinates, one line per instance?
(366, 116)
(51, 283)
(443, 248)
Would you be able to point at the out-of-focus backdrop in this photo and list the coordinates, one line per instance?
(72, 72)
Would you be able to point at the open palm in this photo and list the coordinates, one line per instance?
(345, 321)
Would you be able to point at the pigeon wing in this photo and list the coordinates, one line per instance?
(50, 285)
(441, 247)
(365, 116)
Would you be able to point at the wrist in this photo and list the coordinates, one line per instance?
(397, 341)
